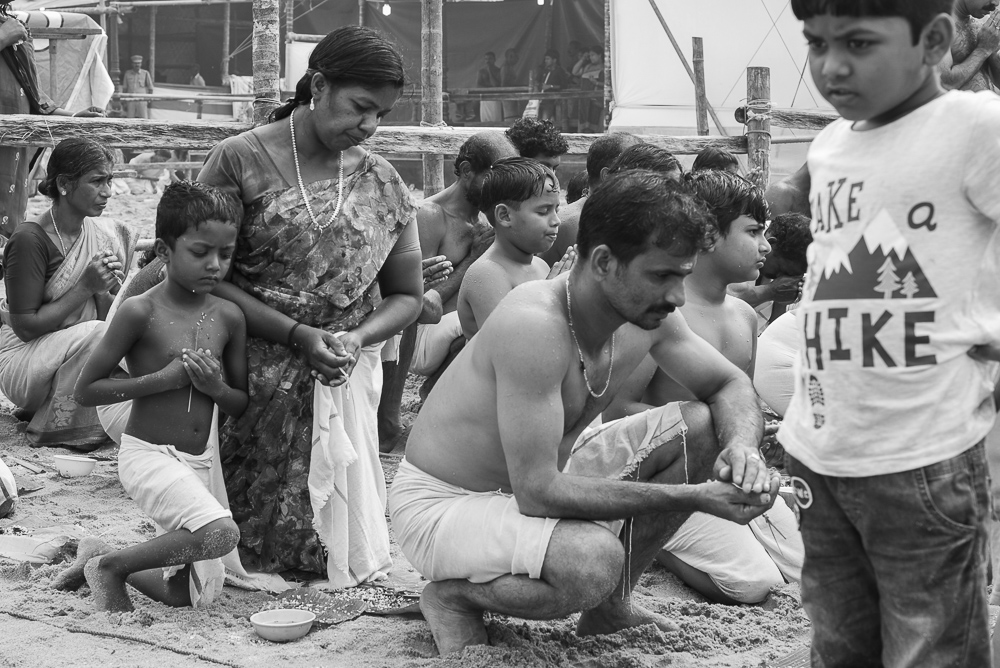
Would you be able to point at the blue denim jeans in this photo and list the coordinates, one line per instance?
(895, 565)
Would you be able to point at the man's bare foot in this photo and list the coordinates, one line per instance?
(110, 594)
(454, 627)
(611, 618)
(394, 442)
(72, 578)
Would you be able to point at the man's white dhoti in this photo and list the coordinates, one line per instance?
(171, 487)
(448, 532)
(433, 344)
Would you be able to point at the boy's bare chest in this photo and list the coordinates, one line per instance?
(169, 333)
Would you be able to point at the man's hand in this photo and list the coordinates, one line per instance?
(785, 289)
(12, 32)
(482, 239)
(432, 309)
(727, 501)
(436, 269)
(743, 467)
(988, 38)
(986, 353)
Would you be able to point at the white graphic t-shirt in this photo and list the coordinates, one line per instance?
(903, 280)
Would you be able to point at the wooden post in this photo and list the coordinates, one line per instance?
(700, 99)
(266, 62)
(609, 94)
(759, 124)
(361, 12)
(431, 81)
(53, 68)
(225, 42)
(114, 69)
(684, 62)
(152, 44)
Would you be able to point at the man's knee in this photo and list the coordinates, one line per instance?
(702, 445)
(584, 563)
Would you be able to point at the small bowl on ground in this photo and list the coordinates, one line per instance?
(74, 466)
(282, 625)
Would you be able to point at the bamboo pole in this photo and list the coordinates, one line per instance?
(266, 60)
(226, 16)
(608, 90)
(759, 124)
(700, 99)
(114, 69)
(361, 12)
(431, 80)
(152, 44)
(31, 130)
(684, 62)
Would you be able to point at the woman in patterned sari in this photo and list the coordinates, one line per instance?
(61, 274)
(327, 267)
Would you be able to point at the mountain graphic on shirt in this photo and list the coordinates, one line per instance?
(880, 265)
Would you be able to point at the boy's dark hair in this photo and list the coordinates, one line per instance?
(187, 204)
(728, 196)
(532, 138)
(646, 156)
(604, 150)
(918, 13)
(481, 150)
(632, 210)
(714, 158)
(511, 181)
(791, 235)
(71, 159)
(577, 184)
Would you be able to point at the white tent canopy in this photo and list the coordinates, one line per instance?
(653, 92)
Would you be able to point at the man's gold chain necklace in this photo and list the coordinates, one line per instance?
(579, 350)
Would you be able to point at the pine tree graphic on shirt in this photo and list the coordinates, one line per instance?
(878, 256)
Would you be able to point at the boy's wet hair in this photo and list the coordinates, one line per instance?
(511, 181)
(188, 204)
(532, 138)
(728, 196)
(646, 156)
(791, 235)
(918, 13)
(714, 158)
(576, 186)
(634, 209)
(604, 150)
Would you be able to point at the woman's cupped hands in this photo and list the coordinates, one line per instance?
(103, 273)
(331, 356)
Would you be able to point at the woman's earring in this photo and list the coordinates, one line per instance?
(312, 104)
(62, 192)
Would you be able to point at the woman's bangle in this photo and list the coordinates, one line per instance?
(291, 333)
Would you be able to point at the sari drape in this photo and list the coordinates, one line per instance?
(41, 375)
(325, 279)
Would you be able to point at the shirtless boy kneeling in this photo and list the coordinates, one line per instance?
(520, 198)
(186, 353)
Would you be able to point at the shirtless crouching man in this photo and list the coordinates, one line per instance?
(973, 63)
(490, 505)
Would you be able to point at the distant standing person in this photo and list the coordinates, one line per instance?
(509, 76)
(551, 77)
(137, 80)
(490, 111)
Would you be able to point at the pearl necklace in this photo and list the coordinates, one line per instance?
(55, 227)
(302, 188)
(579, 350)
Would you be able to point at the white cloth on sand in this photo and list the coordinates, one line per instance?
(346, 481)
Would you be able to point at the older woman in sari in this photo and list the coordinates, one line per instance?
(61, 273)
(327, 267)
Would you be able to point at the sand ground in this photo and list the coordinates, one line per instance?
(42, 627)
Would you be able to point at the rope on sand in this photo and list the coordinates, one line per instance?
(73, 628)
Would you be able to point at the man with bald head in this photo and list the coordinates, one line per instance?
(451, 227)
(601, 154)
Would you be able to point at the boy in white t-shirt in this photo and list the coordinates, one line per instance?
(885, 429)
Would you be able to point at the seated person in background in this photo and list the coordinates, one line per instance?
(196, 78)
(647, 156)
(577, 186)
(450, 226)
(490, 111)
(520, 198)
(725, 562)
(590, 71)
(601, 154)
(550, 77)
(716, 158)
(186, 353)
(539, 140)
(779, 285)
(147, 181)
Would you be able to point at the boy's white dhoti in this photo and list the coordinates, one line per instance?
(171, 487)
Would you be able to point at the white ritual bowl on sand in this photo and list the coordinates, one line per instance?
(74, 466)
(282, 625)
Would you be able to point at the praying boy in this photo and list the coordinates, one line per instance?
(885, 429)
(186, 354)
(520, 198)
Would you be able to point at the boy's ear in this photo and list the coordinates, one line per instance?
(162, 250)
(501, 214)
(937, 37)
